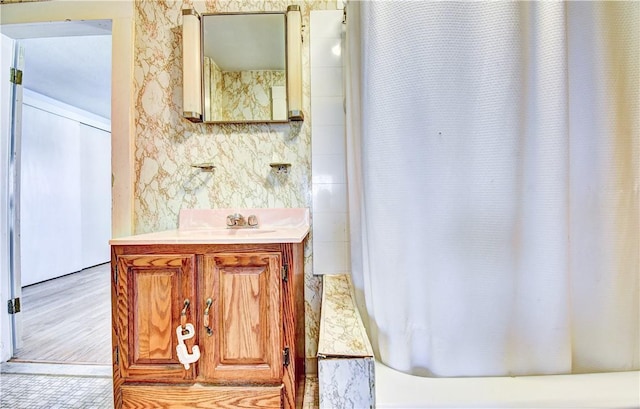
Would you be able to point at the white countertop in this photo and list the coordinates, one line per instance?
(208, 226)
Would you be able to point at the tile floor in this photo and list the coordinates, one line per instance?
(18, 391)
(41, 385)
(34, 386)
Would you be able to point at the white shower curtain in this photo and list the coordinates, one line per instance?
(493, 170)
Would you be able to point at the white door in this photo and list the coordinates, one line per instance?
(11, 94)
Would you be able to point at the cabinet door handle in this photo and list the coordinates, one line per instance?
(183, 314)
(206, 316)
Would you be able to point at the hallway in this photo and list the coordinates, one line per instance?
(68, 319)
(65, 359)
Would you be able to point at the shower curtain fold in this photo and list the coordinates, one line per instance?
(493, 167)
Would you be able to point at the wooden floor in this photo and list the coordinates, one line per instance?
(68, 319)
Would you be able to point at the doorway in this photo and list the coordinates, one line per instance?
(64, 195)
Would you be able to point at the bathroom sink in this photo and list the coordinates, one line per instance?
(226, 232)
(209, 226)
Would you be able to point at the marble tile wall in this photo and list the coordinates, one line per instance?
(346, 383)
(247, 94)
(346, 369)
(167, 145)
(342, 333)
(237, 95)
(212, 83)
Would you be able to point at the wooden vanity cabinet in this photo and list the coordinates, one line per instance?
(246, 304)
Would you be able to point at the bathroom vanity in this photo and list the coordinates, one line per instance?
(211, 316)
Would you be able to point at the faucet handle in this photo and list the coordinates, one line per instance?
(232, 220)
(253, 220)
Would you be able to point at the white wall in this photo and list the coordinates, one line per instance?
(65, 212)
(328, 170)
(95, 182)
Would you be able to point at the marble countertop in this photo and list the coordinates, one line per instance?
(342, 333)
(208, 226)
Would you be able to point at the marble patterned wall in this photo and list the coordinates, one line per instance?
(346, 371)
(167, 145)
(238, 95)
(212, 76)
(247, 94)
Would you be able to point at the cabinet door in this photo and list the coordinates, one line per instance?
(245, 344)
(152, 290)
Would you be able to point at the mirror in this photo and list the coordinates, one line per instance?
(244, 67)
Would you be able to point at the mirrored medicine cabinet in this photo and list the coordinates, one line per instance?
(242, 67)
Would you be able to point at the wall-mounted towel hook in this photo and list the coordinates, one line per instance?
(205, 167)
(280, 168)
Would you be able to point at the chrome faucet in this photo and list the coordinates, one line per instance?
(252, 221)
(237, 221)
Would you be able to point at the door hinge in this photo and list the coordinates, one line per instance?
(16, 76)
(13, 306)
(286, 358)
(285, 272)
(115, 274)
(117, 355)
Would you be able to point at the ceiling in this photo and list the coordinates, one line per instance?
(68, 61)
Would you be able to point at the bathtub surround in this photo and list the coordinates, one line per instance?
(342, 333)
(496, 179)
(329, 183)
(614, 390)
(346, 376)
